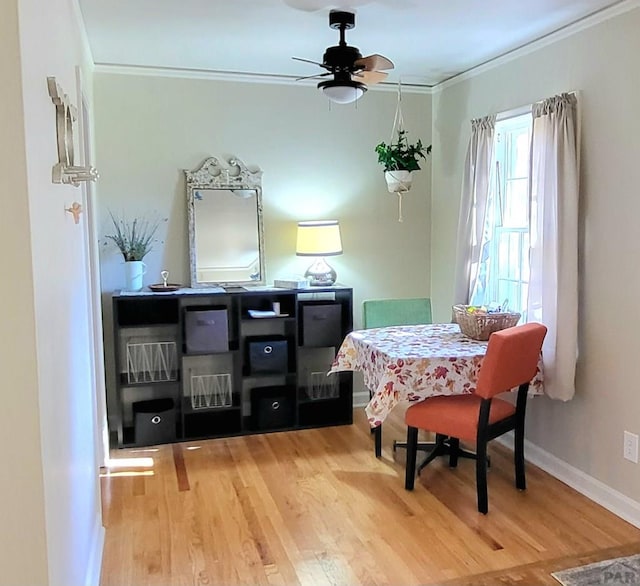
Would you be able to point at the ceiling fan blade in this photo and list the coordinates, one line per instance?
(309, 61)
(370, 77)
(373, 63)
(314, 76)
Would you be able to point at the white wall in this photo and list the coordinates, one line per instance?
(23, 554)
(50, 506)
(318, 163)
(602, 63)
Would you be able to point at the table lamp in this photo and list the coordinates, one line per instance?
(319, 238)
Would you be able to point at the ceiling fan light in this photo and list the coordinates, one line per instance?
(342, 92)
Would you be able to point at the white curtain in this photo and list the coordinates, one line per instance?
(553, 286)
(473, 206)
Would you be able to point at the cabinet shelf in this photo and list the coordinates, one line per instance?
(151, 327)
(207, 353)
(304, 400)
(248, 318)
(268, 375)
(125, 382)
(210, 363)
(233, 348)
(188, 410)
(212, 423)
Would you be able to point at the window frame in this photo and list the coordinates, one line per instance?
(489, 289)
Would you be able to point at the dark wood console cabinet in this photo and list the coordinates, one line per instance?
(196, 364)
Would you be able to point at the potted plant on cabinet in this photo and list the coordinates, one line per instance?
(400, 159)
(134, 240)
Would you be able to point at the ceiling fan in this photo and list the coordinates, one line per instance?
(351, 72)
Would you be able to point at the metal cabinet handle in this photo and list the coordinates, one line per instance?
(268, 349)
(275, 405)
(156, 419)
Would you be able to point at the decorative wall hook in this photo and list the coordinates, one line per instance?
(65, 170)
(75, 210)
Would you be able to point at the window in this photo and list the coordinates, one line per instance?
(517, 236)
(503, 276)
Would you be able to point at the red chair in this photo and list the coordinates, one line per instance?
(511, 361)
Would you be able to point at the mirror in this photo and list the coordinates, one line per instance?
(225, 224)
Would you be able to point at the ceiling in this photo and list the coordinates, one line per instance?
(429, 41)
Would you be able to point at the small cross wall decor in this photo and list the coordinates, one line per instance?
(75, 210)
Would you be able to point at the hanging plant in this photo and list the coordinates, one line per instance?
(400, 158)
(400, 155)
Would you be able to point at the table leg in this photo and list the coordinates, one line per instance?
(377, 436)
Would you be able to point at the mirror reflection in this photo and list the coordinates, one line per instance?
(225, 224)
(226, 216)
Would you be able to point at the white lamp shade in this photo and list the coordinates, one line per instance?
(319, 238)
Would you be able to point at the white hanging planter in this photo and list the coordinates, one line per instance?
(400, 154)
(398, 181)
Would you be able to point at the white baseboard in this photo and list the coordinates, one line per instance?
(612, 500)
(94, 565)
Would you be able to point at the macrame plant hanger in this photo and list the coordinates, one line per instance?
(398, 125)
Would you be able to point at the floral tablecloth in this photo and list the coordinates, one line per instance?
(411, 363)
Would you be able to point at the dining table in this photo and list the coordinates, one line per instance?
(408, 363)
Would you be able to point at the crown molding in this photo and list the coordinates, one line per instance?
(232, 76)
(187, 73)
(589, 21)
(621, 7)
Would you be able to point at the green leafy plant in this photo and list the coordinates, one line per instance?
(133, 238)
(400, 155)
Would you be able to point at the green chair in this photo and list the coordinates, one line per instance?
(379, 313)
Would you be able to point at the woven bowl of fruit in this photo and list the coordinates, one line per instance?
(479, 323)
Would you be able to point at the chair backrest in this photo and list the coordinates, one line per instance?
(511, 359)
(378, 313)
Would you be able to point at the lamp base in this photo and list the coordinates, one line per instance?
(320, 274)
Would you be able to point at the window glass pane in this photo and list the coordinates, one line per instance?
(504, 268)
(516, 210)
(518, 152)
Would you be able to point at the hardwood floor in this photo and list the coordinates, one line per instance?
(315, 507)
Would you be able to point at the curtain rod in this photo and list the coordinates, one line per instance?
(524, 109)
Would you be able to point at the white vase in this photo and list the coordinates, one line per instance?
(398, 180)
(134, 271)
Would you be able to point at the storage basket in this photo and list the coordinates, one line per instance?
(321, 386)
(480, 325)
(151, 362)
(210, 391)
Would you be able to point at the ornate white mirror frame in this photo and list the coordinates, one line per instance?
(226, 242)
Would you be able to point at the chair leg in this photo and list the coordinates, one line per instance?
(440, 448)
(518, 456)
(454, 451)
(481, 477)
(412, 443)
